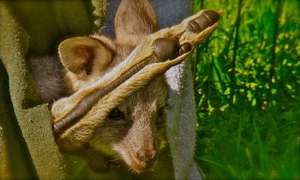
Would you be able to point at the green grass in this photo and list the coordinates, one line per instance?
(248, 144)
(247, 89)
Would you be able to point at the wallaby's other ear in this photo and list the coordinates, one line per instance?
(86, 55)
(134, 19)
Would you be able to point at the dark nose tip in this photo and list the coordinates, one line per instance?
(146, 156)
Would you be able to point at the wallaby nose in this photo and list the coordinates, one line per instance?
(146, 156)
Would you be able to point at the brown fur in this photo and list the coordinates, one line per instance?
(130, 130)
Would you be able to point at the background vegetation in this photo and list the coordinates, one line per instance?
(247, 89)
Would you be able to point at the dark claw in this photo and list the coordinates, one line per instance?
(185, 48)
(207, 19)
(166, 48)
(196, 26)
(212, 15)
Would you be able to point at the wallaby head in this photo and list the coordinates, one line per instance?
(131, 130)
(118, 90)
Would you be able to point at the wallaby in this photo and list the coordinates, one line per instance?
(134, 130)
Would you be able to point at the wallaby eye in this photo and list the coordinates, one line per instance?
(116, 115)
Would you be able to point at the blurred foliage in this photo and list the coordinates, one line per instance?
(248, 72)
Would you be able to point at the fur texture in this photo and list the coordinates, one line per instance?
(128, 126)
(130, 129)
(49, 77)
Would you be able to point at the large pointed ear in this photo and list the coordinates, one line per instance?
(133, 19)
(85, 55)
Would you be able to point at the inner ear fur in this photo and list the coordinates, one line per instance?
(134, 19)
(85, 54)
